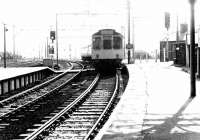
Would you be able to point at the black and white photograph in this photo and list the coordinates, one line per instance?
(99, 70)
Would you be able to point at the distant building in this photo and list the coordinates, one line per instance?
(168, 52)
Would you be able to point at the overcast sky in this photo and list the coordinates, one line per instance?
(33, 19)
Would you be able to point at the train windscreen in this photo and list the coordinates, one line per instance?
(97, 43)
(107, 42)
(117, 42)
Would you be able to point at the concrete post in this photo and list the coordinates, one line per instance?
(192, 51)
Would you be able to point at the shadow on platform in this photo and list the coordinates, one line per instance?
(170, 129)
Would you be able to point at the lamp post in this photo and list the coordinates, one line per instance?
(14, 42)
(4, 56)
(198, 58)
(192, 51)
(129, 45)
(124, 44)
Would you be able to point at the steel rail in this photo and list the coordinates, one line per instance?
(78, 64)
(105, 110)
(62, 112)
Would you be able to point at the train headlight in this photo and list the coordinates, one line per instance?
(97, 56)
(117, 56)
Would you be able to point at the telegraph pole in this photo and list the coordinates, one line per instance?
(14, 41)
(133, 55)
(192, 51)
(5, 29)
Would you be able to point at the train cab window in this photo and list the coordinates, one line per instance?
(97, 43)
(107, 42)
(117, 41)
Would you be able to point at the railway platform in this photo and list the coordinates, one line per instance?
(12, 79)
(156, 105)
(13, 72)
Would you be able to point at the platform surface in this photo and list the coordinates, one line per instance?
(9, 72)
(156, 105)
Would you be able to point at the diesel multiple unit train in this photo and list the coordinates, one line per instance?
(107, 49)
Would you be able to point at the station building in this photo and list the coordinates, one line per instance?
(178, 51)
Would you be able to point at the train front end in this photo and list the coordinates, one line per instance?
(107, 49)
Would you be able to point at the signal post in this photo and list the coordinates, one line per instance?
(167, 25)
(129, 46)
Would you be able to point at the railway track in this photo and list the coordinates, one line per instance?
(46, 80)
(24, 103)
(18, 100)
(14, 103)
(82, 118)
(36, 113)
(75, 109)
(77, 65)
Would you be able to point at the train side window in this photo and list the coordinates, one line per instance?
(117, 43)
(97, 43)
(107, 43)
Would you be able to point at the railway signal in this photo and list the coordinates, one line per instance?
(51, 50)
(52, 35)
(183, 28)
(167, 25)
(167, 20)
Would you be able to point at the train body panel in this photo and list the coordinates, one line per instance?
(107, 54)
